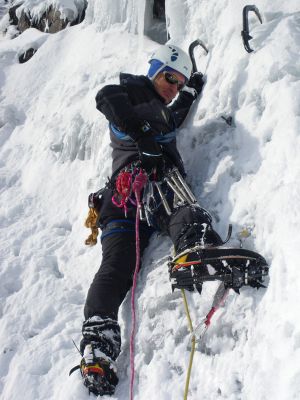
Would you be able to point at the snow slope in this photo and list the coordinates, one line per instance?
(55, 151)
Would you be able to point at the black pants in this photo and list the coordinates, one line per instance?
(114, 278)
(186, 226)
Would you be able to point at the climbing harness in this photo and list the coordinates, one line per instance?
(245, 32)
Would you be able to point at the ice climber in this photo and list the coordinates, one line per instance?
(143, 119)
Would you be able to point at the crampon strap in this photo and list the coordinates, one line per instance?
(93, 368)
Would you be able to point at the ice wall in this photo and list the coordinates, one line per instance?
(106, 13)
(55, 150)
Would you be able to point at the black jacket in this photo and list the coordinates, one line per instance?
(127, 106)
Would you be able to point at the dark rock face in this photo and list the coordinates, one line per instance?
(50, 22)
(23, 23)
(159, 9)
(12, 15)
(155, 24)
(27, 55)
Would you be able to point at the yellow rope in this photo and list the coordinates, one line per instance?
(187, 382)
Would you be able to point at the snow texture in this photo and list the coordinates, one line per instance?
(54, 150)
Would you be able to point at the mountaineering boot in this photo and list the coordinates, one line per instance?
(100, 346)
(200, 257)
(191, 226)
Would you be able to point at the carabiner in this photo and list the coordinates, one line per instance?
(245, 32)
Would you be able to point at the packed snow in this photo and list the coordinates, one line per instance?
(54, 151)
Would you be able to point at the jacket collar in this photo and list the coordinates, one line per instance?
(142, 80)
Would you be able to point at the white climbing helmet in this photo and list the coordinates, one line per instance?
(173, 57)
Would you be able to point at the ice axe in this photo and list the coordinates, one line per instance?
(192, 46)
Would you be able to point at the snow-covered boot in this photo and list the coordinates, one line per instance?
(100, 347)
(98, 372)
(191, 226)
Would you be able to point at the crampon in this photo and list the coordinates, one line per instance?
(99, 378)
(235, 267)
(98, 374)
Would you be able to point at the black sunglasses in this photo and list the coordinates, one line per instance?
(172, 79)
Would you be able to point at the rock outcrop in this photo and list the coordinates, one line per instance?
(50, 21)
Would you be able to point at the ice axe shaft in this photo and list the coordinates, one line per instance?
(192, 46)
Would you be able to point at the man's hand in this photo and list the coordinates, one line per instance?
(150, 154)
(196, 82)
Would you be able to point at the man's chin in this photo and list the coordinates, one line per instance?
(167, 99)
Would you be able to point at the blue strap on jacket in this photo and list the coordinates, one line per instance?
(166, 138)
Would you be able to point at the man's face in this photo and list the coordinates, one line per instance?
(165, 88)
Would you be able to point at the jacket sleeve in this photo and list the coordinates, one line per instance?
(113, 101)
(181, 107)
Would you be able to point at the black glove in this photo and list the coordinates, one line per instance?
(196, 82)
(150, 153)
